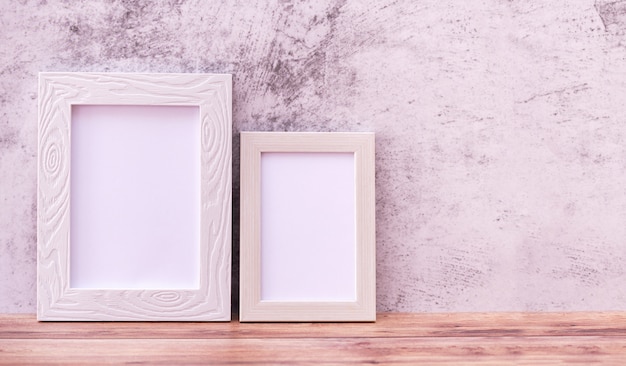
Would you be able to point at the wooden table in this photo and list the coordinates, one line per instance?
(407, 339)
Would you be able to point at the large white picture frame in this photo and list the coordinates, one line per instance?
(308, 241)
(159, 147)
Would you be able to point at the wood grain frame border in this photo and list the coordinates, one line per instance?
(56, 300)
(252, 308)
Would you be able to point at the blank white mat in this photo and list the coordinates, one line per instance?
(135, 197)
(308, 228)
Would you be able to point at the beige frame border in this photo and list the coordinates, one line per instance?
(252, 308)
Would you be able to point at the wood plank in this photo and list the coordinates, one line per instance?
(393, 351)
(396, 325)
(395, 339)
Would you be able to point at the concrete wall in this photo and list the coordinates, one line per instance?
(501, 126)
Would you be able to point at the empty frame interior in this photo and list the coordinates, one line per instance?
(134, 197)
(307, 211)
(307, 227)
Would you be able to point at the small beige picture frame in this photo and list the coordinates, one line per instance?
(134, 197)
(307, 226)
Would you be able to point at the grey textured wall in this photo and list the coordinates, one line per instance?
(500, 124)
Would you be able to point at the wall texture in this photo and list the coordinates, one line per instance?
(500, 124)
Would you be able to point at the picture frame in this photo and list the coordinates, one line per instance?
(307, 227)
(134, 197)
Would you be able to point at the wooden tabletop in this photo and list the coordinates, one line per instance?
(407, 339)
